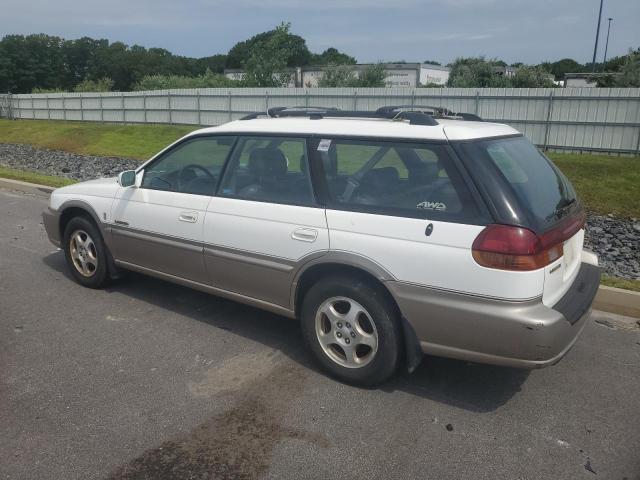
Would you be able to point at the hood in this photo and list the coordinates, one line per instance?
(101, 187)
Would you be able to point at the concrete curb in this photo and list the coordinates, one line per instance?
(26, 187)
(617, 300)
(608, 299)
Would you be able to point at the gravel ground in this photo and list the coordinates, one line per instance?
(616, 241)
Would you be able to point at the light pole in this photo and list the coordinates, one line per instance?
(606, 45)
(595, 48)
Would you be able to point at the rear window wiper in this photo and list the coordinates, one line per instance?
(560, 211)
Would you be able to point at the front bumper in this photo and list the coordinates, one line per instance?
(517, 334)
(51, 222)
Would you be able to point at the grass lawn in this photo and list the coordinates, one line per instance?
(606, 183)
(620, 283)
(34, 177)
(92, 138)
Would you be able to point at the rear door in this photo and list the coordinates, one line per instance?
(264, 222)
(158, 225)
(407, 207)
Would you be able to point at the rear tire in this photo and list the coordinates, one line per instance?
(351, 326)
(86, 253)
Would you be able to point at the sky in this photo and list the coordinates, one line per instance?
(371, 30)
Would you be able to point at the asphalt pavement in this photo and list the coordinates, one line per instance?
(146, 379)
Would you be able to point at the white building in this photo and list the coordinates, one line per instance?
(399, 75)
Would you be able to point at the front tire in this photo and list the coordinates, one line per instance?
(85, 253)
(351, 326)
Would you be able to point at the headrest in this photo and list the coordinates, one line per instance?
(381, 177)
(267, 162)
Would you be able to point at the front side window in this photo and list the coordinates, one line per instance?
(193, 167)
(414, 180)
(269, 169)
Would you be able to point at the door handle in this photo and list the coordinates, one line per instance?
(305, 234)
(191, 217)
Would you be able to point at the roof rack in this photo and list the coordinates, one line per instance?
(435, 112)
(415, 115)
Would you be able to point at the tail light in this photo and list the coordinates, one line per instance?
(508, 247)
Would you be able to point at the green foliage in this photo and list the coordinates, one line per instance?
(332, 56)
(531, 77)
(431, 62)
(295, 51)
(561, 67)
(268, 60)
(475, 72)
(630, 71)
(481, 73)
(346, 76)
(166, 82)
(372, 76)
(101, 85)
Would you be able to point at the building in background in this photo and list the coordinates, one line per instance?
(399, 75)
(581, 79)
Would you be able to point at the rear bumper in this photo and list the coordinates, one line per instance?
(524, 334)
(51, 222)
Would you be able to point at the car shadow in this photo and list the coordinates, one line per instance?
(470, 386)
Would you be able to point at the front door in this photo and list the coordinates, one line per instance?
(158, 225)
(264, 222)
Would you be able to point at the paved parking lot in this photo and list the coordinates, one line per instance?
(151, 380)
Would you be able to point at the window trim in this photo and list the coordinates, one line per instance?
(171, 148)
(480, 217)
(314, 203)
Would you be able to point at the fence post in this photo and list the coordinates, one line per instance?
(81, 108)
(355, 100)
(101, 110)
(144, 106)
(48, 108)
(548, 122)
(477, 102)
(306, 97)
(266, 101)
(33, 111)
(169, 100)
(413, 98)
(229, 105)
(64, 107)
(124, 113)
(198, 106)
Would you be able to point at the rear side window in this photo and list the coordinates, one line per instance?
(393, 178)
(269, 169)
(541, 189)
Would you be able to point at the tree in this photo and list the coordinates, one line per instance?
(337, 76)
(331, 56)
(531, 77)
(564, 66)
(101, 85)
(475, 72)
(431, 62)
(297, 53)
(345, 76)
(267, 65)
(630, 72)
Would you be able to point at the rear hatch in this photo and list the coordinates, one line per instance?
(525, 188)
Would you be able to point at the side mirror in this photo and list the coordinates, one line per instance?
(127, 178)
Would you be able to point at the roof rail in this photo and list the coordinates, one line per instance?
(414, 117)
(435, 112)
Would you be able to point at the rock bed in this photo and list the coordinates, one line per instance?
(616, 241)
(62, 164)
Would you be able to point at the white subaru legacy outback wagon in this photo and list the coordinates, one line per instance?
(389, 234)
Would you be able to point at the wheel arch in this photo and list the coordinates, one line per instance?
(367, 271)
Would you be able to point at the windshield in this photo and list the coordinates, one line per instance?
(539, 186)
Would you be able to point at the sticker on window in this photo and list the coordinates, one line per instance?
(438, 206)
(324, 145)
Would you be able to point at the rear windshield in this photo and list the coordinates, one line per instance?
(539, 186)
